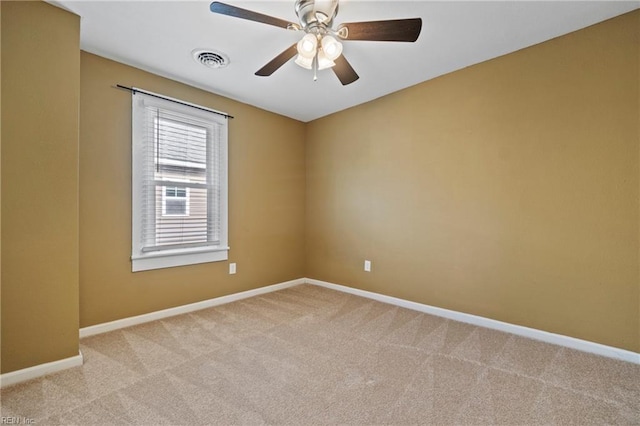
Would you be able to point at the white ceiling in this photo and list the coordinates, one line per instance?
(159, 36)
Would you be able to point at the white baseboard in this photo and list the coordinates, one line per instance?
(29, 373)
(532, 333)
(166, 313)
(39, 370)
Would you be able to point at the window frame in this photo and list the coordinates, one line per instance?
(142, 260)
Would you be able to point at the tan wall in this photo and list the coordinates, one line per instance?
(0, 185)
(40, 99)
(266, 196)
(509, 189)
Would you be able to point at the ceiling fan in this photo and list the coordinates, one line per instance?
(319, 48)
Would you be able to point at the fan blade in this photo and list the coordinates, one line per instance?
(278, 61)
(393, 30)
(345, 73)
(226, 9)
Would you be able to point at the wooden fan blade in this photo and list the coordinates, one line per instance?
(278, 61)
(344, 71)
(236, 12)
(392, 30)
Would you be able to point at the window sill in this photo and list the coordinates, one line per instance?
(173, 258)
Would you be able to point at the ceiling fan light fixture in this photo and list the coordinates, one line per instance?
(331, 47)
(323, 61)
(304, 62)
(308, 46)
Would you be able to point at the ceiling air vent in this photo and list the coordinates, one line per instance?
(210, 58)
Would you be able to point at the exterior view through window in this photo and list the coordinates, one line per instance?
(175, 201)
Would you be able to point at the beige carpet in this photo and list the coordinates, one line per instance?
(308, 355)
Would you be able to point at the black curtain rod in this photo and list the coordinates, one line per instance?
(134, 90)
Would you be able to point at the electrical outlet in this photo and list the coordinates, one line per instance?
(232, 268)
(367, 266)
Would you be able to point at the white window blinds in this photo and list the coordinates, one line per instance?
(179, 170)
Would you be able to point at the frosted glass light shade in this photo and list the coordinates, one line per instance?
(331, 47)
(304, 62)
(307, 46)
(323, 61)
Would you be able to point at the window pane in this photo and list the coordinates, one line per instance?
(180, 149)
(175, 206)
(183, 220)
(180, 155)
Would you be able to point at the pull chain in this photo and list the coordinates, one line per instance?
(315, 67)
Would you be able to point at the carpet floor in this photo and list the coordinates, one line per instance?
(309, 355)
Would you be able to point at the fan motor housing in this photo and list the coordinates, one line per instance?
(312, 13)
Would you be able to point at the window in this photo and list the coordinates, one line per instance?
(175, 201)
(179, 184)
